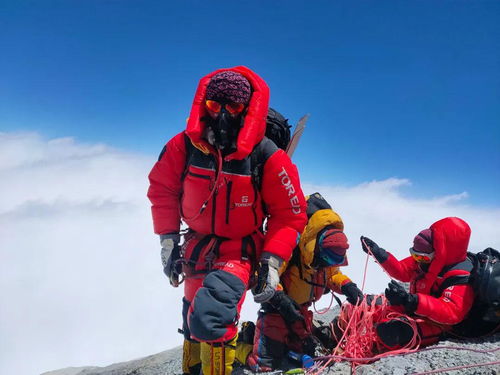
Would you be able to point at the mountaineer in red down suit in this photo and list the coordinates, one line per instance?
(223, 177)
(438, 271)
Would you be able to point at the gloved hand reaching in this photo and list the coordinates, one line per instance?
(352, 292)
(170, 254)
(370, 246)
(268, 277)
(397, 295)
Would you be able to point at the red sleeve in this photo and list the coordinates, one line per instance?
(451, 308)
(165, 186)
(285, 205)
(402, 270)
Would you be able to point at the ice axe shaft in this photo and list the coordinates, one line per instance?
(297, 133)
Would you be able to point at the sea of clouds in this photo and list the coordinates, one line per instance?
(80, 273)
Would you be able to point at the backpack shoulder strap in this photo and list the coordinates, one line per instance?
(258, 158)
(189, 155)
(458, 278)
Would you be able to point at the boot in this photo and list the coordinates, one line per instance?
(191, 361)
(244, 344)
(218, 358)
(329, 338)
(395, 333)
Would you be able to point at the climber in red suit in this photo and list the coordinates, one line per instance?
(222, 177)
(438, 271)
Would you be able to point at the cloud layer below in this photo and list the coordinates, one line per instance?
(80, 275)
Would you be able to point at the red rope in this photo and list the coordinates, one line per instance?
(326, 309)
(359, 340)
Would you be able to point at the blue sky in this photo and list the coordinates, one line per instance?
(406, 89)
(399, 90)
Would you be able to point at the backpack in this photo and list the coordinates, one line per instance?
(484, 316)
(485, 280)
(278, 129)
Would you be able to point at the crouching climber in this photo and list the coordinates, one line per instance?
(438, 271)
(285, 321)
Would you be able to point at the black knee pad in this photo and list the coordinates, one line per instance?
(215, 305)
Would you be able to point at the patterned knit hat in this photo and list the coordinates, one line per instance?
(229, 86)
(423, 242)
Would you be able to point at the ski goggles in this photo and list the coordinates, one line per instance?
(329, 258)
(421, 257)
(232, 108)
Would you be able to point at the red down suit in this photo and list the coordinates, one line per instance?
(224, 201)
(444, 295)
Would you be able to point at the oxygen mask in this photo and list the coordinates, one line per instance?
(225, 122)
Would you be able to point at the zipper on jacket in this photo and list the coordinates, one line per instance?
(198, 175)
(214, 198)
(218, 170)
(254, 205)
(228, 199)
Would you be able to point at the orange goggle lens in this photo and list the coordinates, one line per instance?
(232, 108)
(213, 106)
(421, 257)
(235, 108)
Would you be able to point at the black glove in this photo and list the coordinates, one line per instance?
(286, 307)
(397, 295)
(380, 254)
(352, 292)
(170, 254)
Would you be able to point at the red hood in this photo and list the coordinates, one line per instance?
(450, 238)
(254, 125)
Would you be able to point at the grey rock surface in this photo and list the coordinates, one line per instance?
(169, 362)
(432, 358)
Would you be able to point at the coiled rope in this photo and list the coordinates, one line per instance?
(359, 339)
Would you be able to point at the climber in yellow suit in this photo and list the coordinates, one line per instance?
(285, 322)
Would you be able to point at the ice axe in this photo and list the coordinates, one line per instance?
(297, 133)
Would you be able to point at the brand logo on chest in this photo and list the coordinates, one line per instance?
(243, 202)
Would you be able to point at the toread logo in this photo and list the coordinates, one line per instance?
(244, 202)
(286, 182)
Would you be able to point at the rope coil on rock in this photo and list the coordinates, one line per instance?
(359, 339)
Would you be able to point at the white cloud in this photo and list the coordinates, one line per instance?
(80, 275)
(378, 210)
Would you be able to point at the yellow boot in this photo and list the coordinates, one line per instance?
(218, 358)
(191, 361)
(244, 343)
(242, 351)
